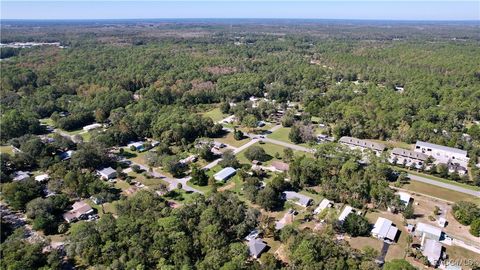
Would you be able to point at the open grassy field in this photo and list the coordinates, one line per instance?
(395, 144)
(215, 114)
(439, 179)
(270, 149)
(7, 149)
(230, 140)
(150, 182)
(281, 134)
(439, 192)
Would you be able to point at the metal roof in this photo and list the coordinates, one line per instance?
(362, 143)
(441, 147)
(224, 173)
(409, 154)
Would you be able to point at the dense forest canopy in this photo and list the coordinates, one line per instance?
(208, 64)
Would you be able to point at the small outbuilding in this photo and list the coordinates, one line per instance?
(41, 177)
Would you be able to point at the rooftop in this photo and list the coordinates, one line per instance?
(384, 228)
(297, 197)
(441, 147)
(409, 154)
(224, 173)
(346, 211)
(256, 247)
(362, 143)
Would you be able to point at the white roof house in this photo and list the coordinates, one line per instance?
(252, 235)
(323, 204)
(297, 198)
(224, 174)
(346, 211)
(107, 173)
(405, 197)
(92, 126)
(138, 145)
(256, 247)
(20, 175)
(429, 231)
(384, 229)
(42, 177)
(432, 249)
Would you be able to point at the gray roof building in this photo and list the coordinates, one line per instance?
(256, 247)
(364, 144)
(297, 198)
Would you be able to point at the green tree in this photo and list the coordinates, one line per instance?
(356, 225)
(18, 194)
(256, 153)
(466, 212)
(295, 134)
(199, 177)
(475, 227)
(229, 160)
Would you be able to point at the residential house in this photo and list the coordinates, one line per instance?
(256, 247)
(346, 211)
(324, 138)
(41, 177)
(139, 146)
(107, 173)
(66, 155)
(20, 176)
(385, 230)
(189, 159)
(405, 197)
(92, 127)
(408, 158)
(224, 174)
(80, 210)
(280, 166)
(354, 143)
(428, 231)
(433, 250)
(297, 198)
(456, 159)
(323, 204)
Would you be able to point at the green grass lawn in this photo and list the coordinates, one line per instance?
(230, 140)
(8, 149)
(47, 121)
(439, 192)
(439, 179)
(281, 134)
(150, 182)
(215, 114)
(270, 149)
(395, 144)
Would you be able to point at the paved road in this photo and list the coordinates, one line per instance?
(444, 185)
(289, 145)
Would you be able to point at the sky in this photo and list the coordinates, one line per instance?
(310, 9)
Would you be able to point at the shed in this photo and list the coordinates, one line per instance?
(224, 174)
